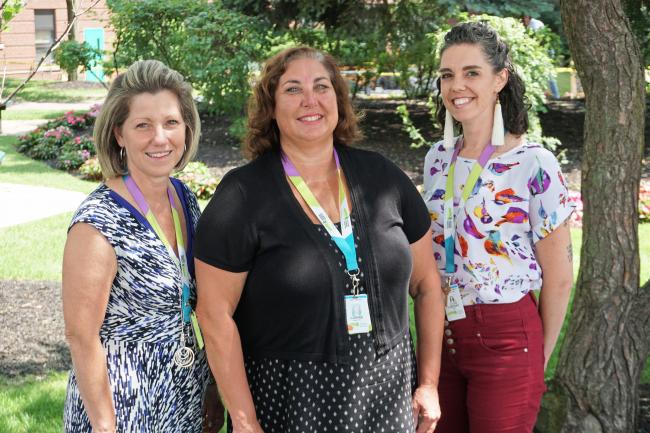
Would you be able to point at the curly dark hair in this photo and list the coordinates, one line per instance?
(512, 97)
(263, 133)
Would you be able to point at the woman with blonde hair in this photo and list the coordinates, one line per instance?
(128, 271)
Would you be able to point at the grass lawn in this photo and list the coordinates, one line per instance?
(34, 114)
(32, 404)
(563, 80)
(47, 91)
(23, 261)
(17, 168)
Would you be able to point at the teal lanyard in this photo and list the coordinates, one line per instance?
(449, 220)
(343, 239)
(181, 260)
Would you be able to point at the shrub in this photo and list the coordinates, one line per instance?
(91, 170)
(197, 177)
(62, 139)
(211, 46)
(75, 152)
(71, 55)
(49, 145)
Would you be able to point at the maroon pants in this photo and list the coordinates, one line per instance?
(492, 373)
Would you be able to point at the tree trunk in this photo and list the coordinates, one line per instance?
(72, 36)
(595, 388)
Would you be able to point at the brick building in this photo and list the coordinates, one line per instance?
(31, 32)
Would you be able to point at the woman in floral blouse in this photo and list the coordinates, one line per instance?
(499, 210)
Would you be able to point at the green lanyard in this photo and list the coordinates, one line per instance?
(449, 220)
(343, 239)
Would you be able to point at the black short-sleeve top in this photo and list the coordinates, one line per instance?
(292, 305)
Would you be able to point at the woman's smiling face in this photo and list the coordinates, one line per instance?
(306, 109)
(469, 85)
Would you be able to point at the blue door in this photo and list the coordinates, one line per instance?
(95, 37)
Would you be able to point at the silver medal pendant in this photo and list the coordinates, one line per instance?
(183, 357)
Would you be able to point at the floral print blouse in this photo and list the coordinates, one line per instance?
(519, 198)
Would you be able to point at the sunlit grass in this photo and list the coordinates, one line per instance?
(33, 114)
(34, 249)
(17, 168)
(34, 404)
(48, 91)
(31, 404)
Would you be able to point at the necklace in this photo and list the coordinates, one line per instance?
(183, 356)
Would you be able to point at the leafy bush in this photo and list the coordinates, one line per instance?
(71, 55)
(197, 177)
(49, 145)
(75, 152)
(211, 46)
(91, 170)
(533, 64)
(62, 140)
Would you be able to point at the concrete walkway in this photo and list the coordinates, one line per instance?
(29, 203)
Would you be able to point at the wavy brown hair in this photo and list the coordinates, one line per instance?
(263, 133)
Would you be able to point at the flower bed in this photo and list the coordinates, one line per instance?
(644, 204)
(66, 143)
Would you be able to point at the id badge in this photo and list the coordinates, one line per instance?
(454, 308)
(357, 314)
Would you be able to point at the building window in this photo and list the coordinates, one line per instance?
(45, 32)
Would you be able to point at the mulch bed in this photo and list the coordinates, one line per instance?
(31, 319)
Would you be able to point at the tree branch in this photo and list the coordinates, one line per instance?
(49, 51)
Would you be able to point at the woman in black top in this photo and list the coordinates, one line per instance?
(306, 320)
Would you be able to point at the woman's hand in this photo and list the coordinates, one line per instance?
(218, 295)
(429, 318)
(213, 411)
(426, 408)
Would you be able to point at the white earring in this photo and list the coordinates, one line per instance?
(498, 138)
(448, 136)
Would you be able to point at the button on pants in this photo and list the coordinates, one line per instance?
(492, 372)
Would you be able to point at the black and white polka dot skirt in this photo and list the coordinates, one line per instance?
(370, 395)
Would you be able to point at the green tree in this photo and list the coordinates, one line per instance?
(71, 55)
(9, 9)
(213, 47)
(595, 387)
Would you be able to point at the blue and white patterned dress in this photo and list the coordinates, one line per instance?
(141, 329)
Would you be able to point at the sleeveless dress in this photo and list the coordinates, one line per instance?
(141, 328)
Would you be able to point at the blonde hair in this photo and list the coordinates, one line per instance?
(143, 76)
